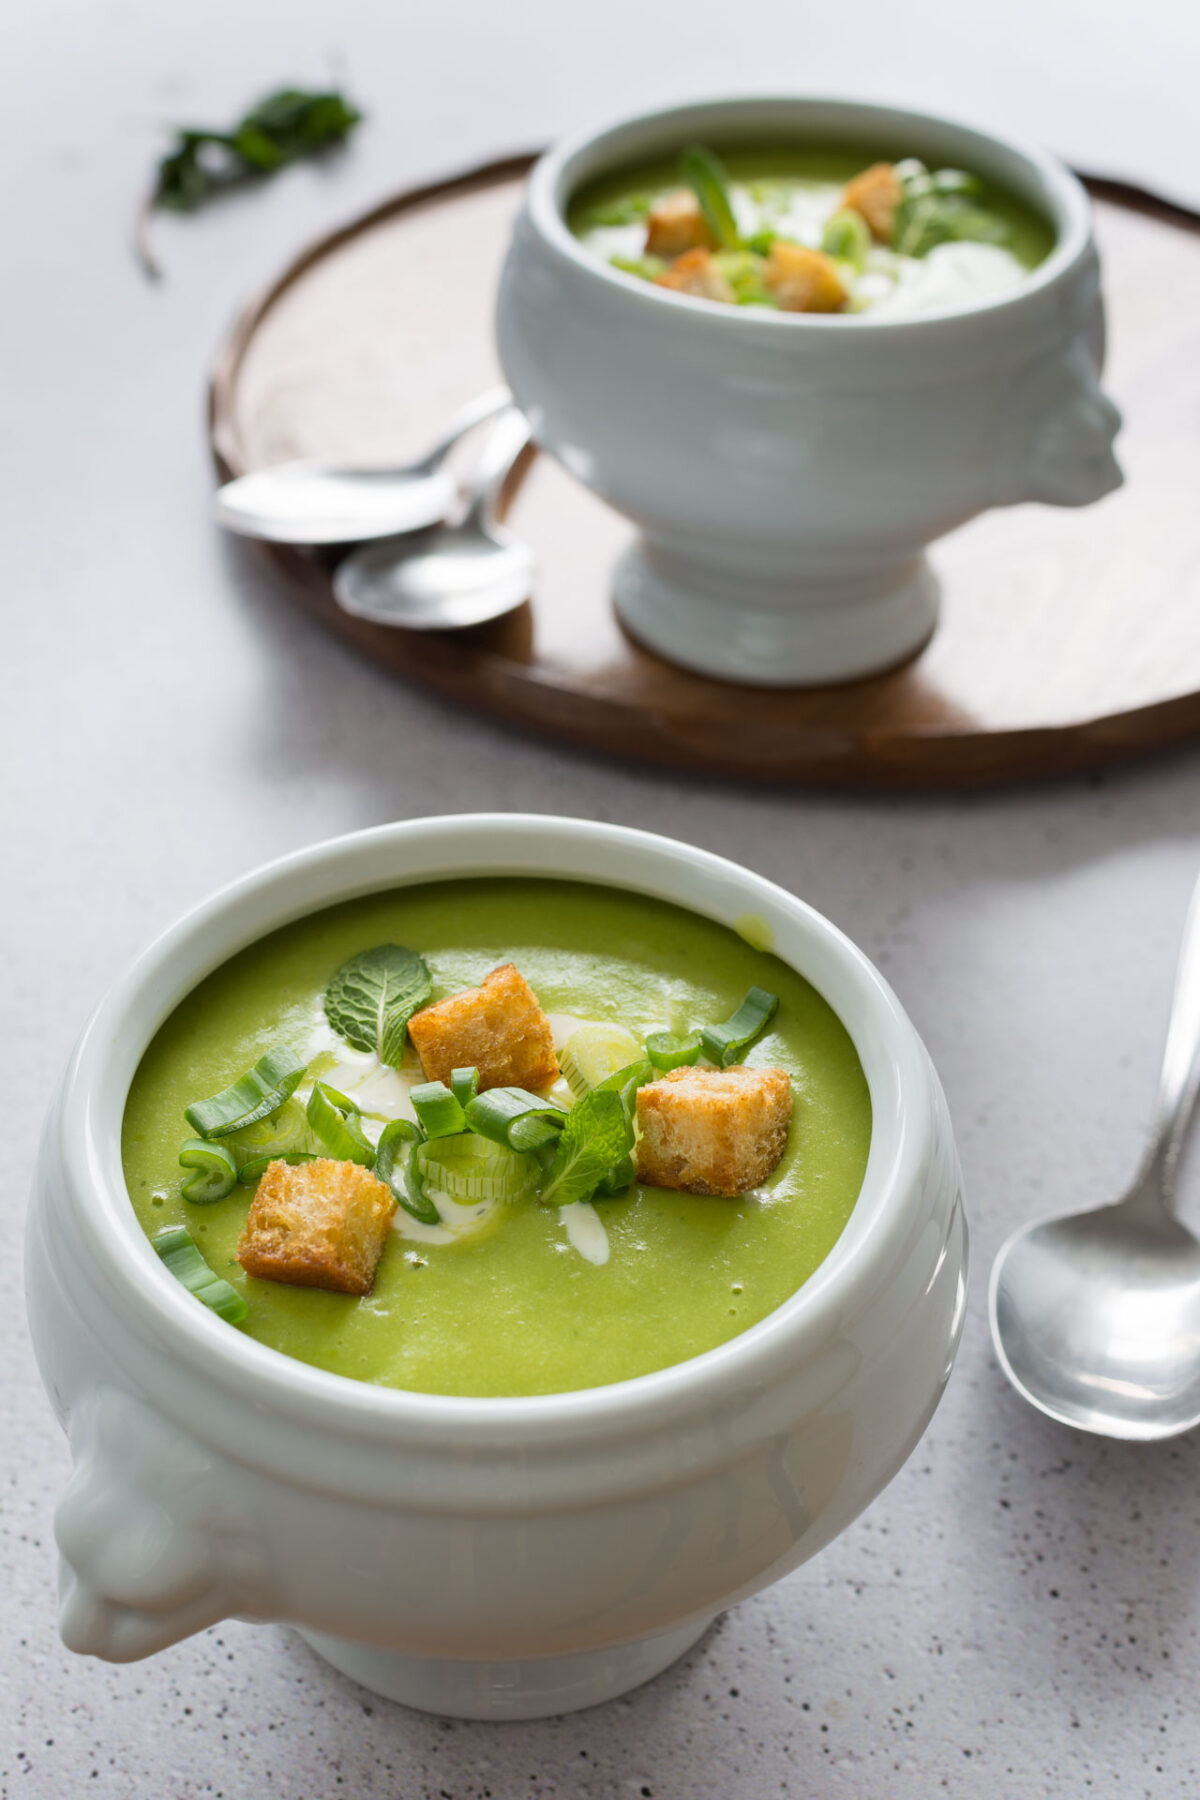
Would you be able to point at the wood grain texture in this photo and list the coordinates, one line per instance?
(1068, 639)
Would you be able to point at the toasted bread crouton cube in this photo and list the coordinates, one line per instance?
(319, 1224)
(803, 280)
(677, 224)
(497, 1028)
(696, 273)
(713, 1131)
(876, 194)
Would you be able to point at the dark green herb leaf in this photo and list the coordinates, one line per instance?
(279, 129)
(597, 1136)
(371, 998)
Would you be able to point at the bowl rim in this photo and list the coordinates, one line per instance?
(555, 175)
(91, 1105)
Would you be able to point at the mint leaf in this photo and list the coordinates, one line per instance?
(597, 1136)
(371, 998)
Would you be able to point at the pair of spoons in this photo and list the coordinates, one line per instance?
(414, 568)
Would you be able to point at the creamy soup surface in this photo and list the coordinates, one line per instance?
(794, 193)
(524, 1298)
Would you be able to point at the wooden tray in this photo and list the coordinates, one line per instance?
(1068, 639)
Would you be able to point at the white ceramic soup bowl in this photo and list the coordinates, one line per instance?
(483, 1558)
(787, 470)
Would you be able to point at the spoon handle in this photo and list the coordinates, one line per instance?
(1180, 1078)
(506, 443)
(484, 406)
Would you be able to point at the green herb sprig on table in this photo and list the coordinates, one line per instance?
(279, 129)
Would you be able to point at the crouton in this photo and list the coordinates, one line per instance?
(876, 194)
(677, 224)
(713, 1131)
(497, 1028)
(695, 273)
(319, 1224)
(803, 280)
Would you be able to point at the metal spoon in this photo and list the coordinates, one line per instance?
(1096, 1316)
(320, 503)
(453, 575)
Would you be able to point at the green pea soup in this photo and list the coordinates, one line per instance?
(513, 1308)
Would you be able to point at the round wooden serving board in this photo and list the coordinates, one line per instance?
(1068, 639)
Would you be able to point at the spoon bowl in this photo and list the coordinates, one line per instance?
(445, 580)
(1096, 1315)
(452, 576)
(322, 503)
(1096, 1319)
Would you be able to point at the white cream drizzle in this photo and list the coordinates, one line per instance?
(585, 1231)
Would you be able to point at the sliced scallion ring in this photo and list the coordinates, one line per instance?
(177, 1247)
(514, 1116)
(464, 1084)
(666, 1051)
(470, 1169)
(215, 1172)
(402, 1138)
(261, 1090)
(729, 1041)
(437, 1109)
(594, 1052)
(335, 1120)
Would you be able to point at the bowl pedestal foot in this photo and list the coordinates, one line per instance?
(767, 631)
(539, 1688)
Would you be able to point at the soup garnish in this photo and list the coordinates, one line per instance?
(326, 1191)
(548, 1184)
(890, 235)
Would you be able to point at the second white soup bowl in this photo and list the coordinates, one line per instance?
(486, 1558)
(786, 471)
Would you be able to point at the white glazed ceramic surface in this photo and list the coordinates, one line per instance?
(787, 471)
(485, 1558)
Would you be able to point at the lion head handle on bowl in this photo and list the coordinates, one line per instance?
(153, 1538)
(1059, 422)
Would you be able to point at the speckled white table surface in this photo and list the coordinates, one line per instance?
(1018, 1614)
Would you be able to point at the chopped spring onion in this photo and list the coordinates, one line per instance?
(178, 1250)
(729, 1041)
(710, 184)
(407, 1188)
(215, 1174)
(646, 268)
(464, 1084)
(437, 1109)
(593, 1053)
(335, 1120)
(253, 1171)
(275, 1136)
(847, 236)
(669, 1052)
(262, 1090)
(514, 1116)
(470, 1168)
